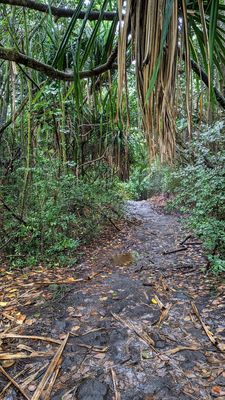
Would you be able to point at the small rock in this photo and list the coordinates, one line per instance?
(32, 387)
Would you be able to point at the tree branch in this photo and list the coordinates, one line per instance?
(204, 77)
(58, 11)
(20, 58)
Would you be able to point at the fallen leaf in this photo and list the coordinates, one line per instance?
(30, 321)
(71, 279)
(3, 303)
(145, 354)
(75, 328)
(20, 318)
(216, 389)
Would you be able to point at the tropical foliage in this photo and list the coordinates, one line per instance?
(89, 91)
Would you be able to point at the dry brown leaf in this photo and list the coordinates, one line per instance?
(181, 348)
(75, 328)
(210, 335)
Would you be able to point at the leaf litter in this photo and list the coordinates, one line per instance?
(74, 332)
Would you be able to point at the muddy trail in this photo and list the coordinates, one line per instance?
(144, 322)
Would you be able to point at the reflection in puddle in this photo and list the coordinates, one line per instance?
(124, 259)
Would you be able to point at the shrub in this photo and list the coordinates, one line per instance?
(60, 213)
(200, 192)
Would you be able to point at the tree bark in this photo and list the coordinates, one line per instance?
(58, 11)
(53, 73)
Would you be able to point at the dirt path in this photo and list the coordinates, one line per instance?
(126, 344)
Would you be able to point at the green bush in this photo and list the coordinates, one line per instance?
(60, 213)
(200, 192)
(147, 181)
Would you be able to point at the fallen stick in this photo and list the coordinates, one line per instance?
(175, 251)
(20, 356)
(52, 381)
(183, 241)
(10, 383)
(117, 395)
(93, 348)
(140, 333)
(43, 338)
(33, 284)
(88, 332)
(14, 383)
(213, 339)
(90, 277)
(32, 377)
(181, 348)
(52, 366)
(193, 244)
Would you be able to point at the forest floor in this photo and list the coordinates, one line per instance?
(134, 321)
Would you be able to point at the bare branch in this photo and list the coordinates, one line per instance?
(204, 77)
(58, 11)
(20, 58)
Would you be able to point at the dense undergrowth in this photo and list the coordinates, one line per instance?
(197, 185)
(200, 192)
(61, 214)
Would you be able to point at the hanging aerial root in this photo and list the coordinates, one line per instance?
(154, 35)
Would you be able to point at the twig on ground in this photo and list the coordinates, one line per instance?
(183, 241)
(32, 377)
(10, 383)
(20, 356)
(139, 332)
(52, 381)
(193, 244)
(181, 348)
(51, 368)
(87, 333)
(174, 251)
(213, 339)
(93, 348)
(117, 395)
(42, 338)
(17, 386)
